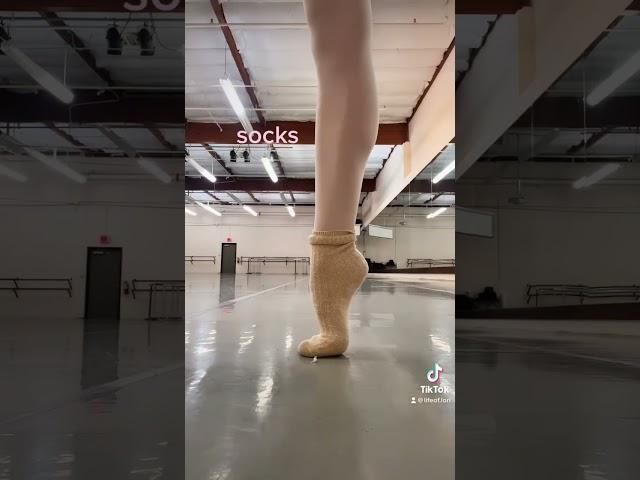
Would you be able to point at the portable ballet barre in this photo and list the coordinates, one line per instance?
(37, 284)
(265, 260)
(581, 291)
(431, 262)
(166, 297)
(142, 286)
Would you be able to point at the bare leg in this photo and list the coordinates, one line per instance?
(346, 128)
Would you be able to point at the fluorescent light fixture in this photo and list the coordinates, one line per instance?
(446, 171)
(596, 176)
(208, 208)
(55, 164)
(236, 103)
(291, 211)
(154, 169)
(439, 211)
(268, 166)
(201, 170)
(190, 212)
(623, 73)
(39, 74)
(250, 210)
(12, 174)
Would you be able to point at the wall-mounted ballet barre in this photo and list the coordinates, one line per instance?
(200, 258)
(17, 285)
(265, 260)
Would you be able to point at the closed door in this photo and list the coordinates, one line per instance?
(228, 263)
(102, 296)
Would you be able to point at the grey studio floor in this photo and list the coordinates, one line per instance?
(255, 409)
(100, 400)
(572, 385)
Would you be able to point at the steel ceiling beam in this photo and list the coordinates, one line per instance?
(253, 197)
(431, 200)
(218, 199)
(237, 58)
(77, 45)
(219, 159)
(226, 133)
(72, 140)
(584, 145)
(157, 133)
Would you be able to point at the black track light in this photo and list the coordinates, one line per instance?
(114, 41)
(274, 155)
(245, 155)
(233, 155)
(145, 39)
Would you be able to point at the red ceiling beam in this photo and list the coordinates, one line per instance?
(490, 7)
(570, 112)
(130, 107)
(388, 133)
(303, 185)
(111, 6)
(237, 58)
(262, 185)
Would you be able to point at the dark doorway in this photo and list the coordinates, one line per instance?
(102, 296)
(228, 263)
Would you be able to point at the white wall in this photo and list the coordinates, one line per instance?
(274, 233)
(48, 223)
(558, 235)
(417, 238)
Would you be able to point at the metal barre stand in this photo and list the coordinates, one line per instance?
(430, 262)
(581, 291)
(156, 286)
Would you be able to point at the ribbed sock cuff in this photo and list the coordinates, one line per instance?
(332, 238)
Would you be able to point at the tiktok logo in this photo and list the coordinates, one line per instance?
(433, 375)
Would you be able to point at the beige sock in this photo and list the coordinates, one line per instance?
(337, 271)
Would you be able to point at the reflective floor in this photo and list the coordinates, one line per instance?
(551, 399)
(255, 409)
(91, 399)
